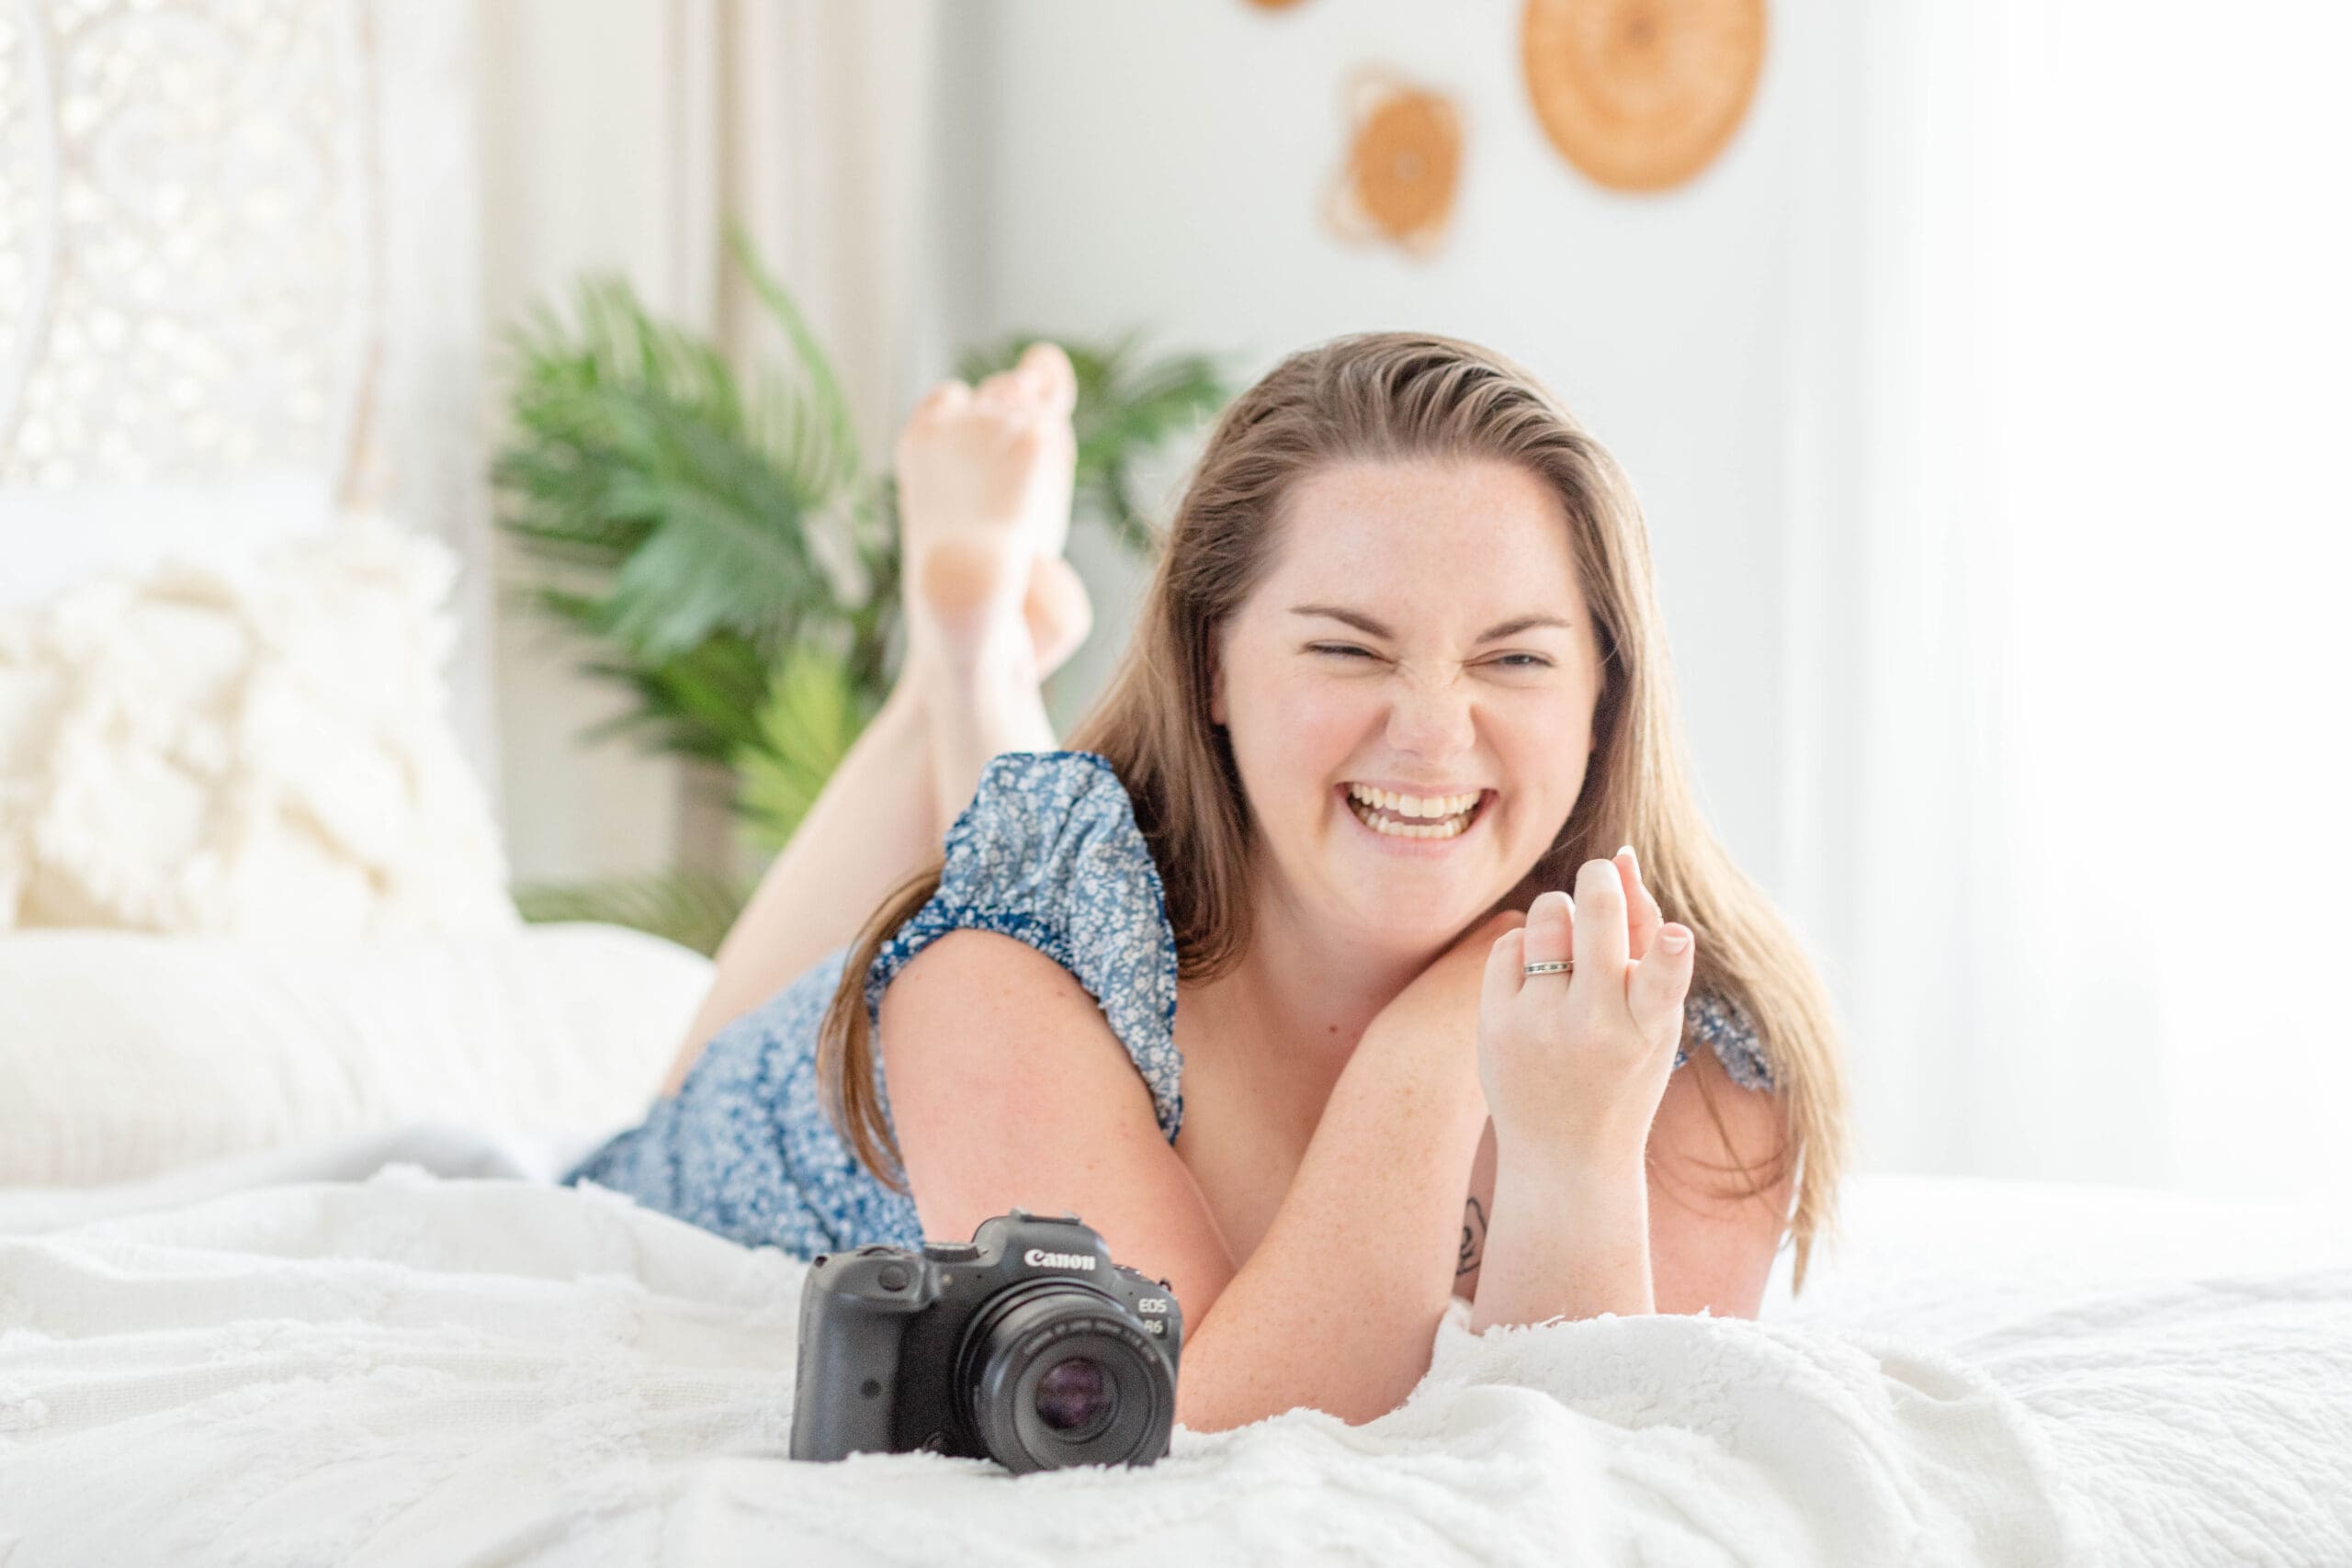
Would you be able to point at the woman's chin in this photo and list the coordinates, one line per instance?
(1429, 918)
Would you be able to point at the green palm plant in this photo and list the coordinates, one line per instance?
(718, 543)
(814, 711)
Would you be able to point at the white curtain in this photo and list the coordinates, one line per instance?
(815, 125)
(2078, 621)
(818, 127)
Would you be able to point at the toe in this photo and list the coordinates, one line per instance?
(1007, 389)
(1049, 370)
(938, 409)
(940, 399)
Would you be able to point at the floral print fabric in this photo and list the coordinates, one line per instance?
(1048, 853)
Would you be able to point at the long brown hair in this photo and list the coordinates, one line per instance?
(1385, 395)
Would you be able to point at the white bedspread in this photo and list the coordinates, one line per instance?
(416, 1369)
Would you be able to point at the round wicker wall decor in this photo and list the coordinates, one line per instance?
(1404, 163)
(1641, 94)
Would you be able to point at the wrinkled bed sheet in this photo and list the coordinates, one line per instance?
(416, 1369)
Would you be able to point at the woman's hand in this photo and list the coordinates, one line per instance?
(1573, 1066)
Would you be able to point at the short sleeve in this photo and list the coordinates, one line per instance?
(1048, 852)
(1723, 1024)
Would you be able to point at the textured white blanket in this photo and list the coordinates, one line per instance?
(419, 1371)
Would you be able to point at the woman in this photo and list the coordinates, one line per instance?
(1241, 977)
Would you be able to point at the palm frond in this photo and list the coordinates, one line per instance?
(702, 704)
(813, 713)
(669, 508)
(820, 438)
(728, 553)
(658, 511)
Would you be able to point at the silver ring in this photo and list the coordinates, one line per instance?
(1553, 966)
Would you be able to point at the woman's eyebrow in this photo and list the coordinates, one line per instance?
(1365, 624)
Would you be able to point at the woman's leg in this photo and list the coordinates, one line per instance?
(988, 614)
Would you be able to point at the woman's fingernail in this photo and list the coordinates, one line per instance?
(1627, 851)
(1675, 938)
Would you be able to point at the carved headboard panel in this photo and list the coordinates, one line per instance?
(239, 285)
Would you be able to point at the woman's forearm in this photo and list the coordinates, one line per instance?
(1339, 1305)
(1567, 1240)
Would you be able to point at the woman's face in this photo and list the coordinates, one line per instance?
(1422, 631)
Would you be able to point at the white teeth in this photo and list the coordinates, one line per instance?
(1423, 831)
(1413, 805)
(1453, 827)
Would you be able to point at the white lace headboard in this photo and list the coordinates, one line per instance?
(239, 286)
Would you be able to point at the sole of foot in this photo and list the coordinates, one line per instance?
(969, 591)
(984, 476)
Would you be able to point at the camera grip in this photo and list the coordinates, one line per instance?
(853, 1318)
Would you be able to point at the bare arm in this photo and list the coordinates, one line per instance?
(1574, 1239)
(1339, 1305)
(1008, 1088)
(1572, 1233)
(1568, 1240)
(1712, 1245)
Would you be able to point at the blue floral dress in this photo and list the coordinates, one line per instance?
(1047, 852)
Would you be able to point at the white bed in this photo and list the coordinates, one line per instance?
(243, 1345)
(239, 1367)
(252, 1346)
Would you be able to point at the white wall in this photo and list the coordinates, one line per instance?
(1166, 165)
(1102, 167)
(1099, 166)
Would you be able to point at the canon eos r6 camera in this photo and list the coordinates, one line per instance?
(1025, 1344)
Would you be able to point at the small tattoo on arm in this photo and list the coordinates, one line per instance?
(1474, 1236)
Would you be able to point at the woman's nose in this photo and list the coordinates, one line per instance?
(1430, 714)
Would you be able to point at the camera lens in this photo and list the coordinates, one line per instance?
(1054, 1373)
(1076, 1398)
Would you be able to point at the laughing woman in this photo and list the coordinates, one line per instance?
(1302, 965)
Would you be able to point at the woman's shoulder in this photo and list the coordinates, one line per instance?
(1044, 814)
(1048, 852)
(1720, 1022)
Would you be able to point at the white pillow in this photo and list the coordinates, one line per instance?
(123, 1054)
(247, 747)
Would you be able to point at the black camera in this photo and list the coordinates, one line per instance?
(1025, 1344)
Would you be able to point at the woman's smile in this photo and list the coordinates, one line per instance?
(1421, 836)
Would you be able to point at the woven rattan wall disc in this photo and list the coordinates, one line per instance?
(1404, 163)
(1406, 155)
(1641, 94)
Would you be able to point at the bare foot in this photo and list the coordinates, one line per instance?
(1058, 613)
(984, 493)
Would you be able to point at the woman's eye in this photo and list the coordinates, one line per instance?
(1512, 661)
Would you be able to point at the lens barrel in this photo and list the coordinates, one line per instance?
(1054, 1373)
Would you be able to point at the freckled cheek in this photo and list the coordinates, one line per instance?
(1316, 728)
(1542, 748)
